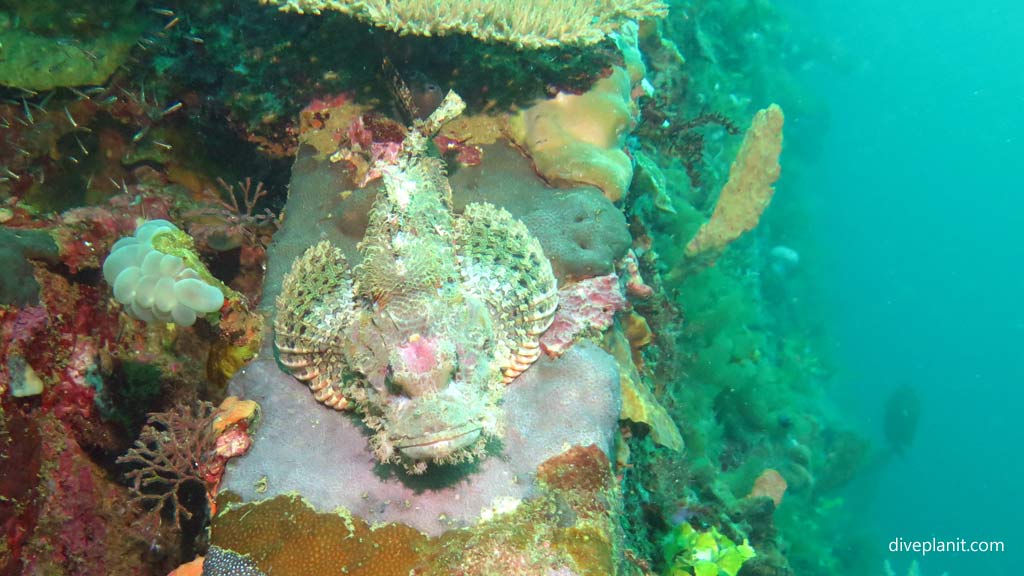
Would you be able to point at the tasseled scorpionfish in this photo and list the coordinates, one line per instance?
(423, 335)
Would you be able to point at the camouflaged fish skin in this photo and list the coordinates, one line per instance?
(423, 335)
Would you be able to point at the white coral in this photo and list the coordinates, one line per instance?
(154, 286)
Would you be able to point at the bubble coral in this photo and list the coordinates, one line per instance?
(156, 275)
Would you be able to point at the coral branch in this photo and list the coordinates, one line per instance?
(174, 449)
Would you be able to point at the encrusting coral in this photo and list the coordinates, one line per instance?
(530, 24)
(750, 186)
(420, 336)
(567, 527)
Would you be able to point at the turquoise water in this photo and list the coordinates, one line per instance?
(890, 260)
(918, 192)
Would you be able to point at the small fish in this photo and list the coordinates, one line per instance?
(81, 95)
(70, 118)
(902, 412)
(172, 109)
(426, 94)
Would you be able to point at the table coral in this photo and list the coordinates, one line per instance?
(529, 24)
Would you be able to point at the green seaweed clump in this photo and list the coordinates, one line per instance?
(707, 553)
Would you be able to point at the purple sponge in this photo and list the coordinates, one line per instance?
(303, 447)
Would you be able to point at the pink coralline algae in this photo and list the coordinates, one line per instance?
(635, 287)
(370, 141)
(84, 527)
(62, 514)
(233, 442)
(84, 235)
(59, 342)
(19, 330)
(465, 154)
(326, 103)
(586, 306)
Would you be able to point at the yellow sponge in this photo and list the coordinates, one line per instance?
(579, 139)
